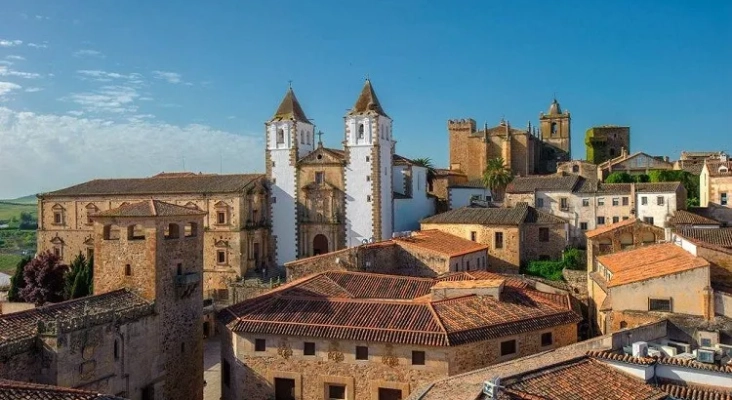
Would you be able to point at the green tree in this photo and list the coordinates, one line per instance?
(79, 278)
(497, 176)
(17, 283)
(619, 177)
(641, 178)
(426, 162)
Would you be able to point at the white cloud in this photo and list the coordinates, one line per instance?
(104, 76)
(38, 45)
(33, 89)
(15, 57)
(41, 17)
(88, 53)
(111, 99)
(67, 150)
(10, 43)
(6, 62)
(171, 77)
(7, 87)
(5, 71)
(76, 113)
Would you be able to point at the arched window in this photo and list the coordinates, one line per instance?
(191, 229)
(554, 129)
(360, 131)
(302, 137)
(280, 136)
(648, 237)
(172, 231)
(135, 232)
(626, 240)
(111, 232)
(575, 168)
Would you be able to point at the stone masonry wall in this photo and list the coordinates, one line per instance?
(533, 248)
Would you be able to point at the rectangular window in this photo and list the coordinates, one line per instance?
(128, 270)
(58, 218)
(336, 392)
(273, 163)
(368, 158)
(723, 198)
(221, 217)
(309, 349)
(260, 345)
(474, 236)
(467, 265)
(626, 218)
(648, 220)
(362, 353)
(625, 200)
(563, 204)
(659, 200)
(546, 339)
(659, 305)
(368, 198)
(89, 253)
(508, 347)
(499, 240)
(616, 220)
(543, 234)
(368, 178)
(319, 177)
(540, 202)
(585, 202)
(706, 342)
(600, 220)
(221, 256)
(418, 357)
(600, 201)
(616, 201)
(583, 226)
(644, 201)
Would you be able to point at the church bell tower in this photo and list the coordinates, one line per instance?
(556, 128)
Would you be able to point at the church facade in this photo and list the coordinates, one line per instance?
(325, 199)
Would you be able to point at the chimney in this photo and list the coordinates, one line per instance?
(452, 289)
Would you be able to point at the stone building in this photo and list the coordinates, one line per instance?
(633, 164)
(235, 231)
(582, 168)
(715, 183)
(140, 334)
(654, 278)
(693, 161)
(606, 142)
(525, 151)
(327, 199)
(588, 204)
(427, 253)
(349, 335)
(514, 236)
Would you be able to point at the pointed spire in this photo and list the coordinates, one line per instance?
(290, 108)
(554, 108)
(367, 102)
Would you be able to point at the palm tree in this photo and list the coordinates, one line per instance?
(426, 162)
(497, 176)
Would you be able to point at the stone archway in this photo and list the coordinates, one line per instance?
(320, 244)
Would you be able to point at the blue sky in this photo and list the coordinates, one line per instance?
(132, 88)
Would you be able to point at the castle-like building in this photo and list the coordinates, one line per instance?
(526, 151)
(325, 199)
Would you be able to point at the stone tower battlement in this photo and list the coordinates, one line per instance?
(461, 125)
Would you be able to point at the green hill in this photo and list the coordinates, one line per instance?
(31, 199)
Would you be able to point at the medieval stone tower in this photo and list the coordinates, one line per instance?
(369, 150)
(555, 127)
(156, 250)
(289, 138)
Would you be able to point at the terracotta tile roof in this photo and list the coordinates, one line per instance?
(582, 379)
(649, 262)
(682, 392)
(716, 168)
(290, 109)
(448, 172)
(396, 159)
(510, 279)
(536, 216)
(714, 211)
(680, 362)
(609, 228)
(150, 208)
(13, 390)
(440, 242)
(656, 187)
(718, 237)
(161, 185)
(367, 102)
(384, 308)
(683, 217)
(626, 358)
(529, 184)
(24, 324)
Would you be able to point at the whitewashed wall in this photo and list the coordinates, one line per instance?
(283, 192)
(359, 212)
(408, 212)
(460, 196)
(387, 187)
(660, 214)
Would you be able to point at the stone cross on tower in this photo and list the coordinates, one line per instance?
(320, 137)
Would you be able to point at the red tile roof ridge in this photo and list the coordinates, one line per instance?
(406, 277)
(366, 328)
(308, 259)
(610, 355)
(44, 390)
(611, 227)
(694, 392)
(333, 299)
(725, 369)
(438, 320)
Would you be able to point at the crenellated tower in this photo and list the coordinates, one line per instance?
(369, 149)
(289, 137)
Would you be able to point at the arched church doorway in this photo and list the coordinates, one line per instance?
(320, 244)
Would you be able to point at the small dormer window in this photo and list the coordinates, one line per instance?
(723, 169)
(360, 131)
(280, 136)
